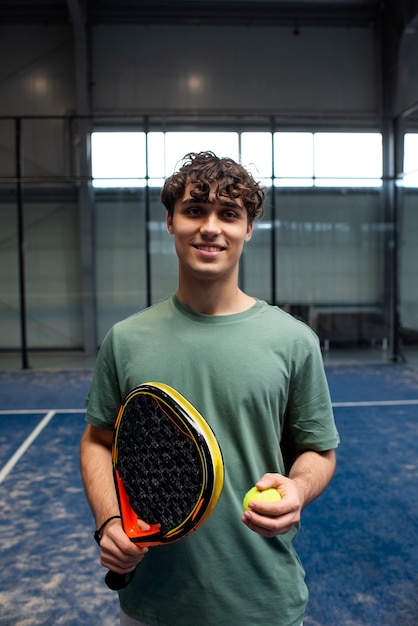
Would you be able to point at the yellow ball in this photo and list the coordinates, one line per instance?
(267, 495)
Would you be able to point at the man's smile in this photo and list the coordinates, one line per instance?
(208, 247)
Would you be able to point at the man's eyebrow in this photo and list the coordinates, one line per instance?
(232, 204)
(192, 201)
(227, 203)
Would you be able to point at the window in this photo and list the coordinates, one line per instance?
(118, 159)
(410, 162)
(348, 159)
(328, 159)
(256, 155)
(292, 159)
(179, 144)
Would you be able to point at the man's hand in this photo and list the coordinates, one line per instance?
(309, 476)
(117, 552)
(275, 518)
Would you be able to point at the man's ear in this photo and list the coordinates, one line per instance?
(249, 231)
(169, 222)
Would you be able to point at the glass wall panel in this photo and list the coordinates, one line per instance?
(163, 257)
(45, 148)
(121, 260)
(329, 268)
(256, 270)
(50, 249)
(322, 253)
(52, 272)
(9, 275)
(7, 148)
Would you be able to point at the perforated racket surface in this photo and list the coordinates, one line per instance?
(167, 465)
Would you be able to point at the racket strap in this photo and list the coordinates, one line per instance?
(99, 532)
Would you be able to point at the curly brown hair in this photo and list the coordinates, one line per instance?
(205, 170)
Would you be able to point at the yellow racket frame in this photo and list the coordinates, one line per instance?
(191, 416)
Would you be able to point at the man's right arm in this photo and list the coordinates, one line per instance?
(97, 474)
(117, 552)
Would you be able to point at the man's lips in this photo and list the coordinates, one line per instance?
(208, 247)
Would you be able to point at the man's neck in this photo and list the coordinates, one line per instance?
(213, 300)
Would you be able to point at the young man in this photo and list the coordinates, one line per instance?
(256, 375)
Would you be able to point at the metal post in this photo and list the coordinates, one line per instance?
(147, 225)
(273, 239)
(389, 50)
(21, 244)
(77, 10)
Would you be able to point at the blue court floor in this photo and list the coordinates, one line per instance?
(358, 542)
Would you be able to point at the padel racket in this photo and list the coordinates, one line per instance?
(167, 467)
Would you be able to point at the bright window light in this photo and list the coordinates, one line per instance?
(301, 159)
(348, 159)
(293, 159)
(256, 154)
(410, 160)
(177, 145)
(118, 159)
(156, 159)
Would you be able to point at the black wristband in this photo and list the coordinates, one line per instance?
(99, 532)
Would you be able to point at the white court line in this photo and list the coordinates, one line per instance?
(50, 414)
(38, 411)
(25, 445)
(376, 403)
(334, 404)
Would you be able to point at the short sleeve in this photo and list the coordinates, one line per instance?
(309, 419)
(104, 396)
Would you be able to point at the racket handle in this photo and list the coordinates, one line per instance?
(116, 581)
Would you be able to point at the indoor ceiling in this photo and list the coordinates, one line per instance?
(364, 13)
(315, 12)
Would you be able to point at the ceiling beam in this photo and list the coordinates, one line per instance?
(214, 12)
(199, 12)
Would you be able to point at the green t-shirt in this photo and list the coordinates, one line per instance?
(254, 376)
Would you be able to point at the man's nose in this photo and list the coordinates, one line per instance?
(210, 225)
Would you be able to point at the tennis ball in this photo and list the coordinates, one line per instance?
(267, 495)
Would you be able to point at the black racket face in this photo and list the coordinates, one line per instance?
(164, 462)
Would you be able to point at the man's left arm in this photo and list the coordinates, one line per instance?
(312, 472)
(309, 476)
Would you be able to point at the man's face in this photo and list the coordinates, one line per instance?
(209, 235)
